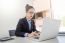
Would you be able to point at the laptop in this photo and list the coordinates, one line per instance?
(50, 30)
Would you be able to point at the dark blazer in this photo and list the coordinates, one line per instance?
(23, 27)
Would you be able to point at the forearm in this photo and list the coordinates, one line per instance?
(21, 34)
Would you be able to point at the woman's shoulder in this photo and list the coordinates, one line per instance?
(22, 19)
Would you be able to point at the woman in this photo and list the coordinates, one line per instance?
(26, 26)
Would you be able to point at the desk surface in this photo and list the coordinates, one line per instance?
(60, 39)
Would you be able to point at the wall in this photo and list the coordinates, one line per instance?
(41, 5)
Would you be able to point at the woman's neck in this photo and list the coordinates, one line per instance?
(28, 18)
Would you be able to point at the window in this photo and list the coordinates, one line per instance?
(58, 9)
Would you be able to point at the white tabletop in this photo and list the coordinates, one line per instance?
(25, 40)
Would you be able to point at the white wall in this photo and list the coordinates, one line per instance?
(10, 12)
(41, 5)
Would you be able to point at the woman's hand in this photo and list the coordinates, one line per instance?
(33, 34)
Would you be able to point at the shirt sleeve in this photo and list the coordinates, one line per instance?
(26, 35)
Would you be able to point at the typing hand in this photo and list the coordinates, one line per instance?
(33, 34)
(38, 32)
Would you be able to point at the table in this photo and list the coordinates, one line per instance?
(25, 40)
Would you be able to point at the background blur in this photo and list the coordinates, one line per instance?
(12, 10)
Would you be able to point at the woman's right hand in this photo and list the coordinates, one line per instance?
(33, 34)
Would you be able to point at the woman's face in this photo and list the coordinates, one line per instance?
(30, 13)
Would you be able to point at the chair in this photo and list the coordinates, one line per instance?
(12, 32)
